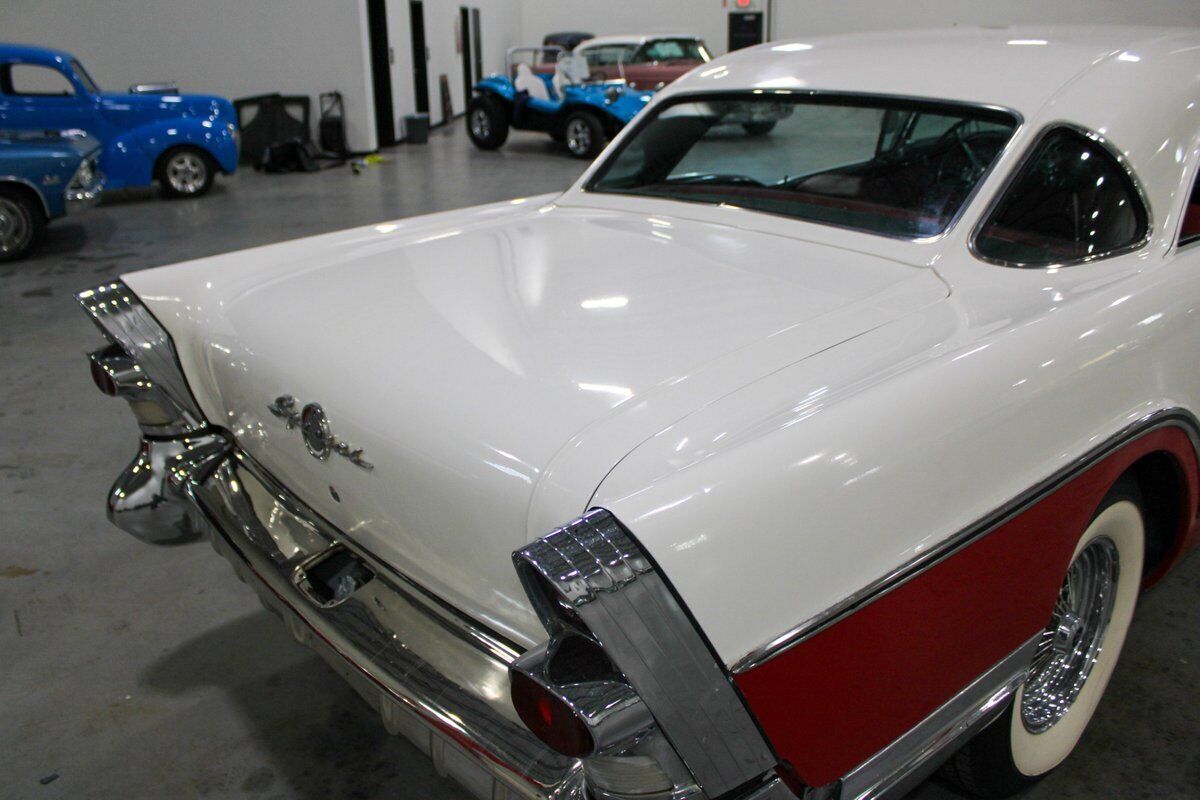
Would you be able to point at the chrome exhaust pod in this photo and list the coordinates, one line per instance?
(178, 447)
(626, 682)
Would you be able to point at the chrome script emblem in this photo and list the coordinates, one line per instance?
(314, 428)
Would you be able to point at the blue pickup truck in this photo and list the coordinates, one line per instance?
(43, 176)
(150, 133)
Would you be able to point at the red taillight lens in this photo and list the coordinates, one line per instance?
(104, 382)
(550, 717)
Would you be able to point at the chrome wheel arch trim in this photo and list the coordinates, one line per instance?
(1166, 417)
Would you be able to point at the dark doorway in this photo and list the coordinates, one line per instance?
(745, 29)
(420, 54)
(477, 39)
(464, 26)
(381, 72)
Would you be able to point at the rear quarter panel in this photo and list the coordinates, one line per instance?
(776, 504)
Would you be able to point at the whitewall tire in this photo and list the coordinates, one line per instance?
(1075, 658)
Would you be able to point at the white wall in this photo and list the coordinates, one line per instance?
(703, 17)
(799, 18)
(232, 48)
(501, 29)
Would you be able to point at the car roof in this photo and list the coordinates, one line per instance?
(32, 53)
(1017, 68)
(633, 38)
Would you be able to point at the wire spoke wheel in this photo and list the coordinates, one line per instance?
(1072, 642)
(1074, 656)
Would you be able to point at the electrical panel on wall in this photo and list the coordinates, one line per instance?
(749, 22)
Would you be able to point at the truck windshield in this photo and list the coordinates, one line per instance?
(887, 166)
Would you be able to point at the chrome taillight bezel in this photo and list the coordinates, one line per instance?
(144, 366)
(592, 578)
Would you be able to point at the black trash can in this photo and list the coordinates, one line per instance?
(416, 129)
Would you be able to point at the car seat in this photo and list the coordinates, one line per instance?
(531, 84)
(570, 70)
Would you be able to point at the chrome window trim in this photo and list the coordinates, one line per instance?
(644, 628)
(1190, 185)
(693, 94)
(25, 182)
(1180, 247)
(1015, 173)
(1170, 417)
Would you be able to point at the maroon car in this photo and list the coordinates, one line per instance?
(646, 61)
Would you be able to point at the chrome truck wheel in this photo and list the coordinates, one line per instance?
(186, 172)
(21, 223)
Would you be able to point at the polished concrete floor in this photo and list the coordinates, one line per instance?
(128, 671)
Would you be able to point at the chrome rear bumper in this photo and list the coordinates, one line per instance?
(433, 675)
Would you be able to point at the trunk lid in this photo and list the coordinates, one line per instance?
(495, 364)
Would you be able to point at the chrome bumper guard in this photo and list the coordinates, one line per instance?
(432, 674)
(79, 198)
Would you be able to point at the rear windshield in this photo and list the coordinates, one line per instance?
(880, 165)
(674, 50)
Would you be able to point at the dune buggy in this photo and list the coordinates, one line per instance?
(581, 113)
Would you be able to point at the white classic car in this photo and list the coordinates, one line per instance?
(786, 464)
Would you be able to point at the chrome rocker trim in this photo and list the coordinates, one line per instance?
(898, 768)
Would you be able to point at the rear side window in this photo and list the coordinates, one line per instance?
(34, 80)
(1071, 201)
(1189, 231)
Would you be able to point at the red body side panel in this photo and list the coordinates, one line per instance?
(836, 699)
